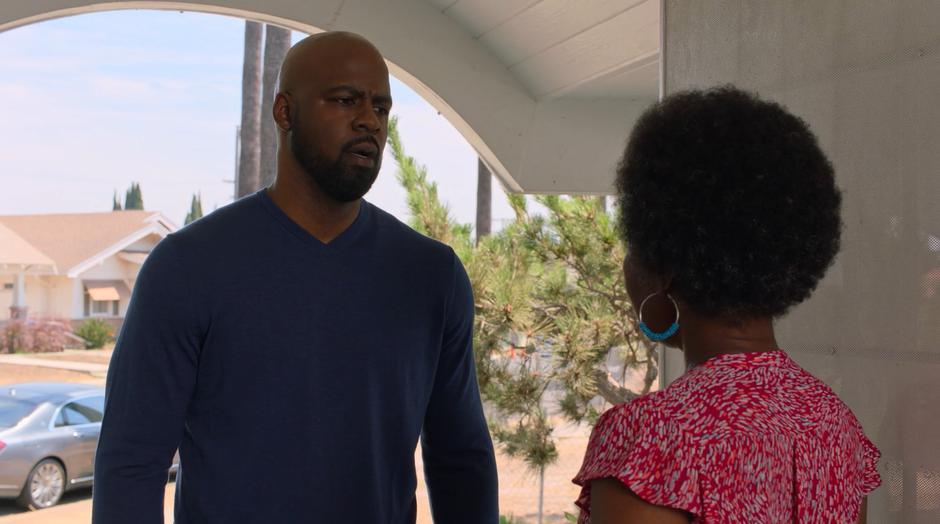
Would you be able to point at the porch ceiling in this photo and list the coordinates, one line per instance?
(572, 49)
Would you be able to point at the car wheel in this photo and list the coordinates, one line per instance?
(44, 485)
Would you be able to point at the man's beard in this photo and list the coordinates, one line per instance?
(340, 182)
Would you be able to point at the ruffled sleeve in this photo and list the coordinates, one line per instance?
(647, 453)
(870, 478)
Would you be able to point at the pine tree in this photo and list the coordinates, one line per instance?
(195, 209)
(551, 311)
(116, 205)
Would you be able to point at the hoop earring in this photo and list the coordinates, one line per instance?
(670, 331)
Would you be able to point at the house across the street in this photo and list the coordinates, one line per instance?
(74, 266)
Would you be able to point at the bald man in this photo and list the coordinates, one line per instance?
(296, 344)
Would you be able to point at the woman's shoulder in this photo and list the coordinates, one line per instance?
(672, 411)
(653, 417)
(734, 395)
(730, 394)
(696, 398)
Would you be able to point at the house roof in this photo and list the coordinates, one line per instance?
(73, 239)
(19, 253)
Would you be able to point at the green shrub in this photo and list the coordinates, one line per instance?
(95, 332)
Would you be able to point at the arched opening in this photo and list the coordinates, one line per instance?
(262, 15)
(102, 291)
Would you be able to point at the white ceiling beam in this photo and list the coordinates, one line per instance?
(548, 23)
(631, 65)
(482, 16)
(631, 35)
(635, 82)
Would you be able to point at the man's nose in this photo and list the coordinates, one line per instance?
(367, 120)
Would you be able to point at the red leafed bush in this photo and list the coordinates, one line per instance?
(33, 336)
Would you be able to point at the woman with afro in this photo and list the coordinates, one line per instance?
(731, 216)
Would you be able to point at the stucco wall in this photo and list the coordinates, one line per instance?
(866, 76)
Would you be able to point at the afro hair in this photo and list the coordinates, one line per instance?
(732, 197)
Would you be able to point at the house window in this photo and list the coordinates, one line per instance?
(8, 285)
(102, 301)
(101, 307)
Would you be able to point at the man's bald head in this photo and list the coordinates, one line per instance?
(323, 50)
(332, 111)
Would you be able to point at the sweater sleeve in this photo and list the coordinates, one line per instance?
(460, 468)
(150, 381)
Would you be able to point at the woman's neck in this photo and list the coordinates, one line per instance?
(705, 338)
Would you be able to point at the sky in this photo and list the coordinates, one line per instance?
(94, 102)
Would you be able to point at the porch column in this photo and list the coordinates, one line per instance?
(19, 309)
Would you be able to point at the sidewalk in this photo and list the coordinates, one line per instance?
(96, 370)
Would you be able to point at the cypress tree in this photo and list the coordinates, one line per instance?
(134, 199)
(195, 209)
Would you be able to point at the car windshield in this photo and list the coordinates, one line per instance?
(13, 410)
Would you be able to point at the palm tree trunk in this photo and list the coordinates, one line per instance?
(484, 200)
(249, 153)
(276, 44)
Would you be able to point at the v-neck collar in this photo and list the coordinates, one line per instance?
(343, 239)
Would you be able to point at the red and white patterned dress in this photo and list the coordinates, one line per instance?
(743, 438)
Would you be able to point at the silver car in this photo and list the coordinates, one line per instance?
(48, 438)
(48, 435)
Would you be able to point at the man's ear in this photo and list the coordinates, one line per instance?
(282, 111)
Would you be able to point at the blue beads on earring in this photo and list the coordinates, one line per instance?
(659, 336)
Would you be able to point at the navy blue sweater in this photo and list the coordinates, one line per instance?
(296, 378)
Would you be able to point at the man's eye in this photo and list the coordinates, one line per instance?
(346, 101)
(382, 111)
